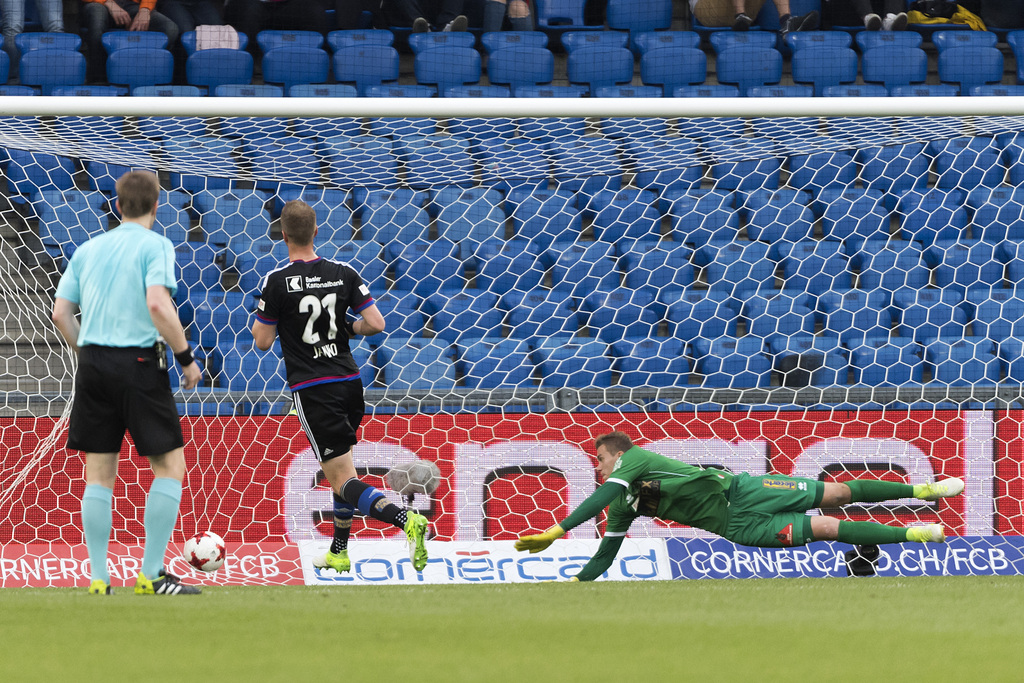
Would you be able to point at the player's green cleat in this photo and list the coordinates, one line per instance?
(99, 587)
(165, 584)
(939, 489)
(339, 562)
(416, 532)
(929, 533)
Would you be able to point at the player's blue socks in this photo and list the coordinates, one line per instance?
(97, 518)
(343, 513)
(372, 502)
(161, 515)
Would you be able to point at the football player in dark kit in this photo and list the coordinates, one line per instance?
(306, 303)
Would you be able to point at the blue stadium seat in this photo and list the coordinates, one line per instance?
(507, 163)
(334, 219)
(762, 169)
(267, 158)
(963, 361)
(573, 362)
(732, 40)
(268, 40)
(924, 90)
(493, 41)
(200, 271)
(747, 67)
(228, 214)
(418, 42)
(548, 91)
(16, 90)
(802, 40)
(820, 170)
(854, 215)
(118, 40)
(539, 312)
(701, 216)
(855, 91)
(68, 218)
(732, 363)
(630, 215)
(477, 129)
(1011, 353)
(673, 67)
(625, 123)
(388, 216)
(700, 314)
(290, 66)
(336, 40)
(253, 265)
(217, 157)
(167, 91)
(813, 266)
(477, 91)
(968, 67)
(651, 266)
(1013, 156)
(219, 66)
(547, 217)
(805, 360)
(781, 91)
(521, 65)
(997, 214)
(893, 169)
(964, 265)
(560, 15)
(930, 215)
(621, 312)
(586, 164)
(929, 313)
(421, 267)
(583, 267)
(824, 66)
(662, 163)
(219, 317)
(464, 315)
(890, 266)
(363, 255)
(445, 67)
(188, 41)
(997, 314)
(887, 362)
(855, 314)
(30, 172)
(944, 40)
(418, 364)
(780, 222)
(782, 316)
(360, 161)
(647, 362)
(966, 162)
(494, 363)
(996, 91)
(706, 91)
(397, 127)
(637, 16)
(598, 66)
(172, 220)
(552, 130)
(735, 268)
(870, 39)
(140, 66)
(504, 265)
(103, 176)
(575, 40)
(395, 90)
(435, 159)
(893, 65)
(47, 68)
(1016, 42)
(401, 310)
(365, 65)
(652, 40)
(249, 369)
(469, 214)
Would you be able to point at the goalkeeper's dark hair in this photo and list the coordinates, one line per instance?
(137, 193)
(617, 442)
(298, 221)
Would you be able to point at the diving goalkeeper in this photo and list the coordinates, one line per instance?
(761, 511)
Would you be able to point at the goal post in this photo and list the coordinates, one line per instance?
(823, 287)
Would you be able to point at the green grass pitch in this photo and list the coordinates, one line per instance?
(874, 629)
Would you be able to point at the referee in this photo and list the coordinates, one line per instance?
(122, 281)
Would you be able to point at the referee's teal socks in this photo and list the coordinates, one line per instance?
(161, 515)
(97, 517)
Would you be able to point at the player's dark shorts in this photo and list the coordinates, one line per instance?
(330, 415)
(768, 511)
(118, 389)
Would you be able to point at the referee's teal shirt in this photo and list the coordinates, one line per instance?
(108, 277)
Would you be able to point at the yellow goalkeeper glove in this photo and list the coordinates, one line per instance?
(539, 542)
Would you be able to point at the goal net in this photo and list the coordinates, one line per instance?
(820, 295)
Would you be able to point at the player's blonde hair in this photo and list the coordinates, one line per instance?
(617, 442)
(137, 193)
(298, 221)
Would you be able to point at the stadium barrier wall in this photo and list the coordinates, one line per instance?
(255, 482)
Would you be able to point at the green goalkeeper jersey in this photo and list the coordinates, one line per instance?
(651, 485)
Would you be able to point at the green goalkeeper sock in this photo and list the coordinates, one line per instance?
(870, 533)
(874, 491)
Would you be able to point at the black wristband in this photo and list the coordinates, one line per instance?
(185, 358)
(350, 328)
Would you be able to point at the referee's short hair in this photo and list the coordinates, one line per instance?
(137, 193)
(298, 221)
(616, 442)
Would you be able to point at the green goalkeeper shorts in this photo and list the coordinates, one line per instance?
(768, 511)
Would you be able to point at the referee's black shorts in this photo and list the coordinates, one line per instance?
(330, 415)
(118, 389)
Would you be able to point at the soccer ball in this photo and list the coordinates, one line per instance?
(420, 476)
(205, 551)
